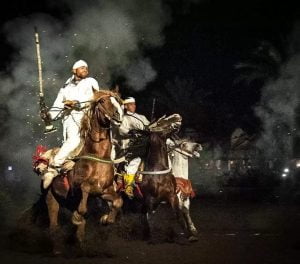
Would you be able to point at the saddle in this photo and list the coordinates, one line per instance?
(43, 157)
(185, 187)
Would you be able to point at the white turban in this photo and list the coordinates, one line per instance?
(129, 100)
(78, 64)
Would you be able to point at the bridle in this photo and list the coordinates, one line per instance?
(101, 113)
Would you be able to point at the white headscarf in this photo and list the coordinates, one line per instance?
(78, 64)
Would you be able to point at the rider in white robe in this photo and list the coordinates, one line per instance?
(77, 91)
(131, 121)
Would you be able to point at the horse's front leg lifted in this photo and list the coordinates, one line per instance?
(78, 216)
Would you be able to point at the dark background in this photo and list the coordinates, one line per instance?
(202, 44)
(244, 216)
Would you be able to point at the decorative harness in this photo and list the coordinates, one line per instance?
(93, 157)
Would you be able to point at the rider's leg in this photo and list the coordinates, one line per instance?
(71, 142)
(129, 176)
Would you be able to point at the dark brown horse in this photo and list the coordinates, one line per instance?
(158, 183)
(93, 173)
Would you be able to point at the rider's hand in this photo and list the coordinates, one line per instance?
(134, 133)
(137, 132)
(45, 115)
(69, 104)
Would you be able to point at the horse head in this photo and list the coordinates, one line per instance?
(190, 147)
(107, 105)
(166, 125)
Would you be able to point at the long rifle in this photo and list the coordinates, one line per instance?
(49, 128)
(153, 110)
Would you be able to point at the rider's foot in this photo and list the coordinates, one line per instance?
(48, 177)
(129, 191)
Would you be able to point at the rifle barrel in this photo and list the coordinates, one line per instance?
(39, 62)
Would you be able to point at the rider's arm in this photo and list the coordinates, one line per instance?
(58, 105)
(145, 121)
(124, 127)
(95, 84)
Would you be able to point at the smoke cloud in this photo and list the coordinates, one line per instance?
(110, 35)
(278, 105)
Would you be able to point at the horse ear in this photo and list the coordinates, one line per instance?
(117, 90)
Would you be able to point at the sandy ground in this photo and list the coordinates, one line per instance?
(230, 232)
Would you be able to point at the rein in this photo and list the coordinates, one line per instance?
(93, 157)
(155, 172)
(183, 152)
(104, 112)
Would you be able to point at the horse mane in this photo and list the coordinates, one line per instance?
(86, 120)
(184, 139)
(156, 138)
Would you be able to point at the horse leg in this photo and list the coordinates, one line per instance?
(188, 220)
(148, 210)
(53, 209)
(174, 202)
(177, 206)
(78, 216)
(115, 203)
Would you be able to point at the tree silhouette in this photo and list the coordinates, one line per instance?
(264, 64)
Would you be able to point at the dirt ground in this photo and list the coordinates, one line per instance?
(230, 232)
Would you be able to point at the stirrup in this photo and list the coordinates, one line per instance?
(129, 191)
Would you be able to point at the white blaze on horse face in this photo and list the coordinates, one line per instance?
(119, 110)
(192, 148)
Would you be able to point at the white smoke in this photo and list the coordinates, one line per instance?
(277, 108)
(110, 35)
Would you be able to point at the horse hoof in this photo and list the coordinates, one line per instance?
(103, 219)
(193, 238)
(77, 219)
(106, 219)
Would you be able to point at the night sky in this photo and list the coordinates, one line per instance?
(190, 67)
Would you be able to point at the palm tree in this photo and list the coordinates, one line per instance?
(263, 65)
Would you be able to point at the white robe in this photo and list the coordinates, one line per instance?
(130, 121)
(81, 91)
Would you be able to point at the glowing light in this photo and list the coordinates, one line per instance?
(283, 175)
(286, 170)
(298, 164)
(9, 168)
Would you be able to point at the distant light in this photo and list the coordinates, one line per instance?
(286, 170)
(9, 168)
(283, 175)
(298, 164)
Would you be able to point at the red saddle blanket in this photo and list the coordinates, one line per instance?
(185, 186)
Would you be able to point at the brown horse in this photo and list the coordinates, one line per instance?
(93, 173)
(158, 183)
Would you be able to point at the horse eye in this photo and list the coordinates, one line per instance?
(101, 101)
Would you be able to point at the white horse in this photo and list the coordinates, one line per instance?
(179, 153)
